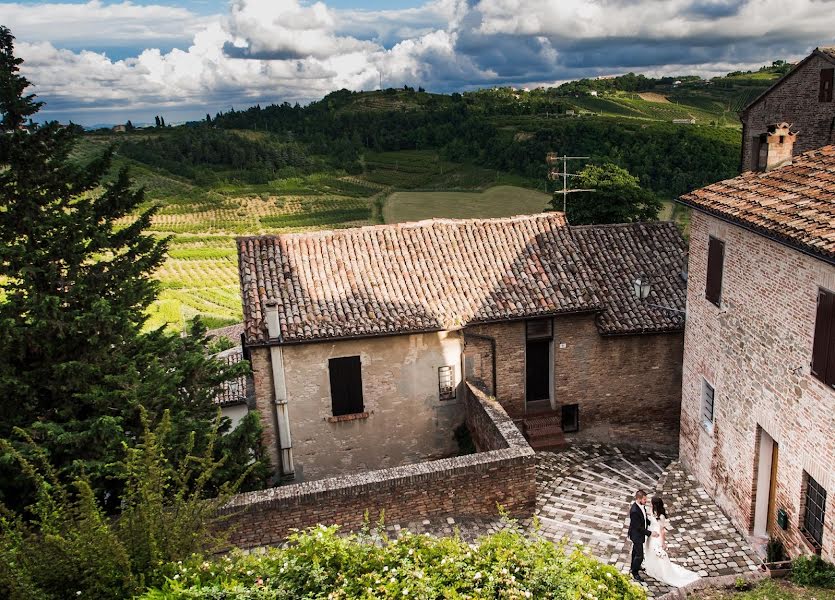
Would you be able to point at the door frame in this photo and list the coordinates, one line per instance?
(765, 497)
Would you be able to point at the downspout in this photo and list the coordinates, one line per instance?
(492, 341)
(280, 409)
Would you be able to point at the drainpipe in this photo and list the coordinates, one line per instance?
(280, 409)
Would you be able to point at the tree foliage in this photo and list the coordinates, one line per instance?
(75, 266)
(617, 197)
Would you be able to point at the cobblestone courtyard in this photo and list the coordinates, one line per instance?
(584, 493)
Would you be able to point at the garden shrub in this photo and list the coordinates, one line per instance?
(322, 563)
(813, 571)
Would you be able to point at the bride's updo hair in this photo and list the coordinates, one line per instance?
(658, 507)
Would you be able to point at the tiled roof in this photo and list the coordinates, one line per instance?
(828, 51)
(617, 255)
(430, 275)
(230, 332)
(443, 274)
(233, 391)
(794, 203)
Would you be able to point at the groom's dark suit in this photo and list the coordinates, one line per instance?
(638, 533)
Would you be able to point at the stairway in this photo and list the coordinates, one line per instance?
(544, 432)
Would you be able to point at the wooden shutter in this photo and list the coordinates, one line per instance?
(346, 385)
(827, 76)
(822, 354)
(715, 264)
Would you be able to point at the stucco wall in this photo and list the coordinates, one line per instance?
(794, 101)
(406, 421)
(235, 413)
(756, 352)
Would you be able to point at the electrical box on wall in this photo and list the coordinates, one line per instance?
(782, 519)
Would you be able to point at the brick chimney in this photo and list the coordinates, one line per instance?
(776, 147)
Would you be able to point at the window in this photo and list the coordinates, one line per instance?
(540, 329)
(570, 417)
(446, 383)
(346, 385)
(823, 354)
(715, 266)
(825, 93)
(707, 404)
(814, 510)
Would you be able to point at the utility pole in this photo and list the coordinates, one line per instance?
(553, 161)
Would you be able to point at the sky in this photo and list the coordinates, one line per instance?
(101, 61)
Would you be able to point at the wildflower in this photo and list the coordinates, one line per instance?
(406, 592)
(477, 575)
(177, 576)
(411, 551)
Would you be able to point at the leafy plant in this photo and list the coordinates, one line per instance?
(813, 571)
(323, 563)
(65, 545)
(774, 550)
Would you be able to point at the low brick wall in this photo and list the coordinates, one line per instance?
(463, 486)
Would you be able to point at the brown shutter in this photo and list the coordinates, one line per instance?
(346, 385)
(715, 263)
(827, 76)
(822, 355)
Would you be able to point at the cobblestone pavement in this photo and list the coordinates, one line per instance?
(584, 493)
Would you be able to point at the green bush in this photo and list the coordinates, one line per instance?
(813, 571)
(321, 563)
(66, 546)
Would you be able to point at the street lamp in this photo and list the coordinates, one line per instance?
(641, 289)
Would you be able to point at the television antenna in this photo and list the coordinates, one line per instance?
(553, 160)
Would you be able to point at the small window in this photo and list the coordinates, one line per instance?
(540, 329)
(446, 383)
(814, 510)
(825, 93)
(346, 385)
(707, 404)
(715, 267)
(570, 417)
(823, 354)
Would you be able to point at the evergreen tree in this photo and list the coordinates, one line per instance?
(156, 120)
(75, 266)
(129, 126)
(617, 198)
(161, 122)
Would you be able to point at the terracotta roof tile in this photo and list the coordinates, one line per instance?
(794, 203)
(233, 391)
(429, 275)
(617, 255)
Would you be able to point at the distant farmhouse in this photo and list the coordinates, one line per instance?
(758, 404)
(802, 98)
(362, 341)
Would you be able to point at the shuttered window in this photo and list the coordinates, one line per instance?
(346, 385)
(823, 353)
(715, 266)
(827, 76)
(446, 382)
(708, 396)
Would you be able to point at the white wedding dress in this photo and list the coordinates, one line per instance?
(657, 563)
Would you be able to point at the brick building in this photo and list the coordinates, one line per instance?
(758, 404)
(803, 98)
(362, 340)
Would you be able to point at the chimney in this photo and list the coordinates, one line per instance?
(776, 147)
(271, 310)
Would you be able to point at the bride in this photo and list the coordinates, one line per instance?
(657, 563)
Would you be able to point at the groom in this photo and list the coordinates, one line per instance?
(638, 532)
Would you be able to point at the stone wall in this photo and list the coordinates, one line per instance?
(464, 486)
(627, 387)
(755, 351)
(794, 101)
(404, 420)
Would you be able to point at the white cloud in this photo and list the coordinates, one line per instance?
(276, 50)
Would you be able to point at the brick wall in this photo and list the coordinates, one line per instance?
(794, 101)
(465, 486)
(755, 350)
(627, 387)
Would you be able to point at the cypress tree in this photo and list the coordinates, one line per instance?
(75, 270)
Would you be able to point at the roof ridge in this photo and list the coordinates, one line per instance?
(551, 215)
(658, 222)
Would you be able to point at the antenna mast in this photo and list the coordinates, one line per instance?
(553, 160)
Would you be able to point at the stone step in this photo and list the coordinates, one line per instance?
(549, 442)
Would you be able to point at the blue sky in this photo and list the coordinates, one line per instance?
(102, 61)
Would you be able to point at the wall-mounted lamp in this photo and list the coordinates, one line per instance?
(641, 288)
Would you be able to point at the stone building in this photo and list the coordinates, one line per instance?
(802, 98)
(361, 340)
(758, 405)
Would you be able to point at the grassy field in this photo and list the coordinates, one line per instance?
(498, 201)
